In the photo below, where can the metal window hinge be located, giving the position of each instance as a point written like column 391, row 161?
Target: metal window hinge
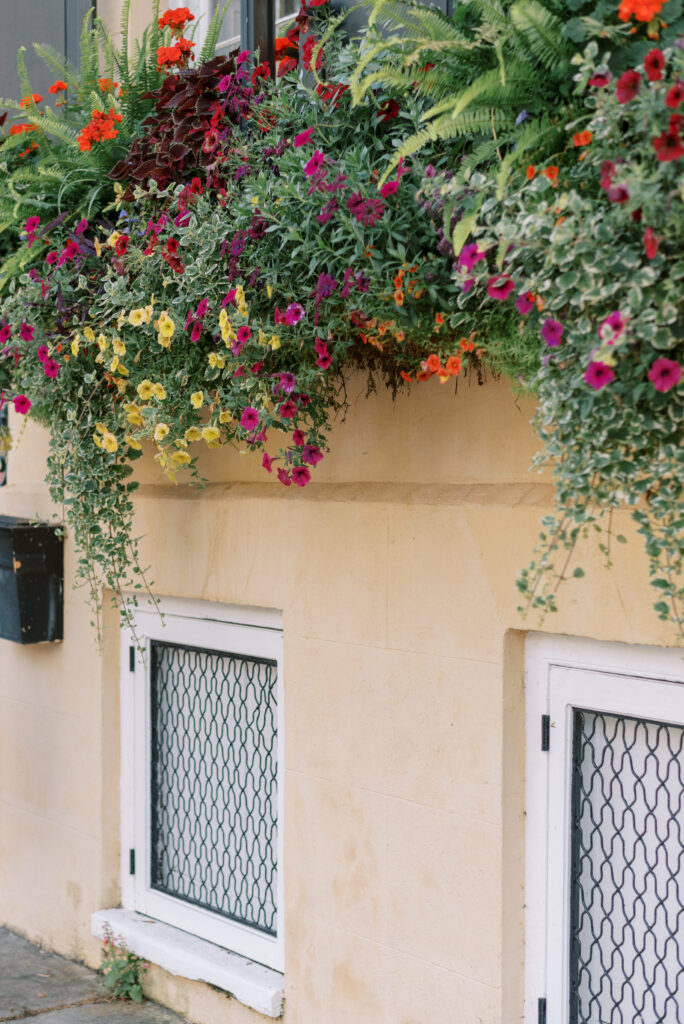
column 541, row 1011
column 131, row 659
column 131, row 862
column 545, row 731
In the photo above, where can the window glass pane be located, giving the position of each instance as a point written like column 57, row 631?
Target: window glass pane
column 229, row 36
column 213, row 782
column 285, row 11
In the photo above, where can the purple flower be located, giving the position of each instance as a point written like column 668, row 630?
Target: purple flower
column 665, row 374
column 224, row 83
column 202, row 307
column 500, row 287
column 552, row 333
column 314, row 163
column 249, row 419
column 598, row 374
column 294, row 313
column 524, row 303
column 312, row 454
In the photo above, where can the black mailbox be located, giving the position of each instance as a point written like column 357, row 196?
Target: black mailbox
column 31, row 581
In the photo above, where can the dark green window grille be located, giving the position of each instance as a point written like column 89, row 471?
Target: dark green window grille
column 627, row 871
column 213, row 775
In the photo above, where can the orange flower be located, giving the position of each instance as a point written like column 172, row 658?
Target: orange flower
column 418, row 292
column 399, row 297
column 399, row 336
column 433, row 363
column 466, row 345
column 423, row 375
column 28, row 101
column 176, row 19
column 582, row 138
column 643, row 10
column 399, row 279
column 405, row 376
column 439, row 318
column 539, row 302
column 551, row 173
column 100, row 127
column 530, row 172
column 453, row 365
column 58, row 86
column 17, row 129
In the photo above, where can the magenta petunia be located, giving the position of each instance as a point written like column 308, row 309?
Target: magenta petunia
column 389, row 188
column 301, row 476
column 81, row 227
column 524, row 303
column 665, row 374
column 51, row 368
column 284, row 477
column 21, row 404
column 470, row 255
column 654, row 62
column 287, row 410
column 312, row 454
column 299, row 438
column 552, row 332
column 287, row 382
column 5, row 333
column 267, row 462
column 294, row 313
column 601, row 80
column 612, row 327
column 324, row 360
column 43, row 353
column 320, row 345
column 249, row 419
column 244, row 333
column 26, row 332
column 327, row 211
column 618, row 193
column 314, row 163
column 304, row 138
column 598, row 374
column 196, row 332
column 500, row 287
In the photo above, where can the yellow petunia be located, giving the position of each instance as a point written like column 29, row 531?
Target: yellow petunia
column 164, row 340
column 269, row 290
column 114, row 363
column 96, row 439
column 197, row 399
column 182, row 458
column 211, row 434
column 226, row 416
column 165, row 325
column 136, row 317
column 193, row 434
column 113, row 238
column 102, row 343
column 275, row 341
column 160, row 432
column 145, row 389
column 89, row 334
column 110, row 443
column 159, row 392
column 216, row 360
column 102, row 428
column 119, row 347
column 132, row 443
column 75, row 344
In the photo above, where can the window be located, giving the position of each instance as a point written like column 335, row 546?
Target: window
column 605, row 833
column 249, row 23
column 202, row 775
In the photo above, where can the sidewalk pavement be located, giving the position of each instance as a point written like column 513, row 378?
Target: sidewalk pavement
column 35, row 983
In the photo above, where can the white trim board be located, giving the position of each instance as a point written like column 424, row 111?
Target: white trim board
column 562, row 673
column 196, row 959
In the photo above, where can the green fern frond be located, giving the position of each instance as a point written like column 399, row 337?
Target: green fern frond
column 542, row 32
column 62, row 67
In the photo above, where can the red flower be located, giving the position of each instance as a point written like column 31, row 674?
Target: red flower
column 628, row 86
column 551, row 173
column 283, row 44
column 121, row 245
column 668, row 146
column 28, row 101
column 388, row 110
column 675, row 95
column 58, row 86
column 651, row 243
column 176, row 19
column 307, row 53
column 262, row 70
column 331, row 93
column 285, row 65
column 654, row 62
column 600, row 81
column 582, row 138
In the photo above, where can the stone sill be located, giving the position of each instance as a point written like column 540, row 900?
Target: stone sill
column 196, row 959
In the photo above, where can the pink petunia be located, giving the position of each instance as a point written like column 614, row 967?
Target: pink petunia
column 312, row 454
column 267, row 462
column 284, row 477
column 287, row 382
column 81, row 227
column 324, row 360
column 51, row 368
column 43, row 353
column 598, row 374
column 304, row 138
column 250, row 418
column 244, row 333
column 389, row 188
column 288, row 410
column 552, row 332
column 301, row 476
column 26, row 332
column 601, row 80
column 470, row 255
column 612, row 327
column 628, row 86
column 500, row 287
column 21, row 404
column 665, row 374
column 314, row 163
column 524, row 303
column 294, row 313
column 299, row 438
column 651, row 243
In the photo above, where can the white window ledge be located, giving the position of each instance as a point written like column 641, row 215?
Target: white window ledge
column 183, row 954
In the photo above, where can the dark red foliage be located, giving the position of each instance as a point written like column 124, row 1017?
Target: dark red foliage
column 190, row 127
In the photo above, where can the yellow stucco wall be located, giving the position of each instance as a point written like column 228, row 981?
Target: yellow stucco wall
column 403, row 705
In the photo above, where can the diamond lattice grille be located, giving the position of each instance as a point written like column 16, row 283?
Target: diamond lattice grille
column 627, row 871
column 214, row 793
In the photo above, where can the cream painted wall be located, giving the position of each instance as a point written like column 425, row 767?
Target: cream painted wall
column 403, row 702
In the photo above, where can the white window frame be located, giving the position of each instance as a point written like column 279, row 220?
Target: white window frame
column 248, row 631
column 563, row 673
